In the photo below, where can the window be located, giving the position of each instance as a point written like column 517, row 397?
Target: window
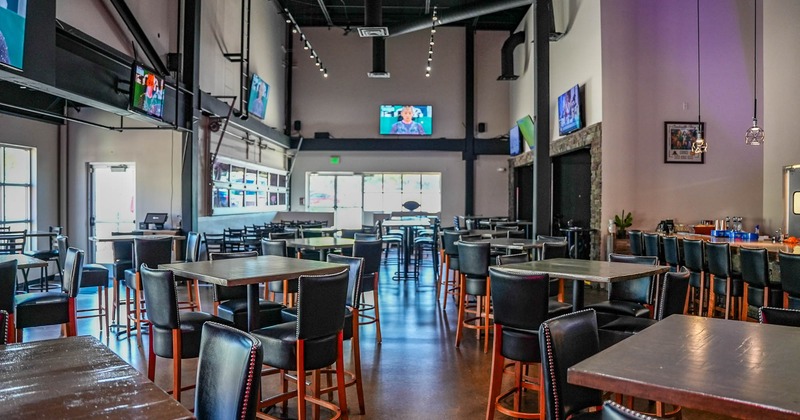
column 383, row 192
column 16, row 186
column 244, row 187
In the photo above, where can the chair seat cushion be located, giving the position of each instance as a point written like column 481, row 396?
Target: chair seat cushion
column 43, row 254
column 290, row 314
column 629, row 324
column 235, row 311
column 556, row 308
column 475, row 286
column 621, row 307
column 277, row 286
column 280, row 348
column 37, row 309
column 94, row 275
column 521, row 345
column 191, row 329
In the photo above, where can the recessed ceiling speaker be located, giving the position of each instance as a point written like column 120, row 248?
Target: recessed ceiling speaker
column 297, row 125
column 481, row 127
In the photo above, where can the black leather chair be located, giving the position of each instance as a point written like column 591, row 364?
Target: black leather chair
column 94, row 275
column 13, row 242
column 192, row 301
column 285, row 235
column 474, row 268
column 450, row 263
column 520, row 307
column 429, row 243
column 52, row 308
column 288, row 287
column 230, row 303
column 370, row 313
column 550, row 238
column 672, row 254
column 614, row 411
column 779, row 316
column 554, row 250
column 790, row 279
column 3, row 327
column 652, row 245
column 554, row 306
column 311, row 343
column 173, row 334
column 49, row 254
column 392, row 239
column 152, row 252
column 726, row 283
column 8, row 288
column 626, row 298
column 758, row 291
column 366, row 236
column 699, row 281
column 228, row 374
column 635, row 238
column 122, row 254
column 565, row 341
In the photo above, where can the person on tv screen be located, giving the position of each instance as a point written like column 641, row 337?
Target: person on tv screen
column 3, row 50
column 407, row 125
column 261, row 100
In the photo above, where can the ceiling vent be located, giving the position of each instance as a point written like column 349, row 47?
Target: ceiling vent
column 378, row 75
column 373, row 31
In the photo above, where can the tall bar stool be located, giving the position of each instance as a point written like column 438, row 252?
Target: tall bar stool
column 555, row 307
column 520, row 302
column 151, row 252
column 94, row 275
column 122, row 253
column 450, row 264
column 288, row 287
column 626, row 298
column 635, row 238
column 652, row 245
column 192, row 301
column 758, row 291
column 726, row 282
column 695, row 261
column 474, row 281
column 790, row 279
column 672, row 253
column 370, row 251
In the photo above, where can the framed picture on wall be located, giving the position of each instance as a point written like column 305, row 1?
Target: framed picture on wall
column 678, row 140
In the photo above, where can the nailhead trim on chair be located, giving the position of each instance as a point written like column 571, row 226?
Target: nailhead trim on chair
column 761, row 315
column 5, row 327
column 628, row 411
column 297, row 304
column 250, row 368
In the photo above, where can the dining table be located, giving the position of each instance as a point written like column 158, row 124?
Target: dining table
column 77, row 377
column 24, row 264
column 580, row 271
column 733, row 368
column 251, row 272
column 323, row 244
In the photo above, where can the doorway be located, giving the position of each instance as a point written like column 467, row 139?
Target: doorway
column 340, row 194
column 112, row 205
column 523, row 192
column 572, row 185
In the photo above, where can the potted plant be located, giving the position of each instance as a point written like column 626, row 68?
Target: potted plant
column 623, row 221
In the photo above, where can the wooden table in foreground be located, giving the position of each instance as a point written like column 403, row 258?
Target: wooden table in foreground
column 77, row 377
column 251, row 272
column 586, row 270
column 735, row 368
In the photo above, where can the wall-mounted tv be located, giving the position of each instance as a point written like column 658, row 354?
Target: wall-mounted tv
column 147, row 91
column 569, row 111
column 514, row 144
column 12, row 32
column 257, row 101
column 406, row 120
column 528, row 130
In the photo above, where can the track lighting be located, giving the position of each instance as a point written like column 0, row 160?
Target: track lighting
column 306, row 44
column 430, row 44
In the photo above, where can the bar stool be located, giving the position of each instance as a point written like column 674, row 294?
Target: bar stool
column 428, row 243
column 758, row 291
column 555, row 307
column 695, row 262
column 192, row 301
column 672, row 253
column 726, row 282
column 652, row 245
column 50, row 254
column 635, row 238
column 450, row 263
column 152, row 252
column 94, row 275
column 474, row 281
column 288, row 287
column 370, row 251
column 790, row 279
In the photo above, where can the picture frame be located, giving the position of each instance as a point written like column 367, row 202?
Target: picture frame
column 678, row 139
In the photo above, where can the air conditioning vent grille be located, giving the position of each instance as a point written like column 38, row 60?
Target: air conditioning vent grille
column 373, row 31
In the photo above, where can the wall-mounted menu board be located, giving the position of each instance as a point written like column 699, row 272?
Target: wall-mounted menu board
column 244, row 187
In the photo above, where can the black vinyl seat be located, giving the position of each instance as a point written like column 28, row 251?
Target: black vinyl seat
column 312, row 342
column 520, row 307
column 635, row 238
column 554, row 306
column 369, row 313
column 790, row 279
column 626, row 298
column 288, row 287
column 169, row 327
column 8, row 289
column 94, row 275
column 49, row 254
column 672, row 253
column 694, row 259
column 474, row 281
column 652, row 245
column 614, row 411
column 228, row 374
column 151, row 252
column 779, row 316
column 3, row 327
column 726, row 282
column 758, row 291
column 450, row 263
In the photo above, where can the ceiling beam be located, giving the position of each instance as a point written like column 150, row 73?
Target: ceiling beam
column 325, row 12
column 457, row 14
column 140, row 36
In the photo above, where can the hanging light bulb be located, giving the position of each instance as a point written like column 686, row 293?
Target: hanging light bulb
column 755, row 134
column 699, row 145
column 325, row 73
column 305, row 46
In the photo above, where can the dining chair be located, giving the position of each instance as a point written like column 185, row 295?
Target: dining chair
column 13, row 242
column 450, row 263
column 779, row 316
column 652, row 245
column 614, row 411
column 192, row 254
column 635, row 238
column 228, row 374
column 122, row 255
column 288, row 287
column 699, row 277
column 370, row 313
column 790, row 279
column 725, row 283
column 671, row 251
column 629, row 297
column 758, row 290
column 152, row 252
column 48, row 254
column 474, row 281
column 94, row 275
column 555, row 307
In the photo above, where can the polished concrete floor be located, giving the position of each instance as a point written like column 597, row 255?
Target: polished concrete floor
column 415, row 373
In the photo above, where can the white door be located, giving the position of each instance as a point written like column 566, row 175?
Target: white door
column 112, row 204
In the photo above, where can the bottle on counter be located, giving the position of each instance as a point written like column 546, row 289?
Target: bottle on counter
column 756, row 230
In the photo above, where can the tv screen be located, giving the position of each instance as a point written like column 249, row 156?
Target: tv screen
column 406, row 120
column 147, row 92
column 528, row 130
column 259, row 92
column 569, row 111
column 12, row 32
column 514, row 145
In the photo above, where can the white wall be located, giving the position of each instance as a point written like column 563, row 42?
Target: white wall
column 491, row 95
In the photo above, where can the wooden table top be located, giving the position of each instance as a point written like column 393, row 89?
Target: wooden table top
column 735, row 368
column 24, row 261
column 593, row 271
column 520, row 243
column 326, row 242
column 77, row 377
column 121, row 238
column 241, row 271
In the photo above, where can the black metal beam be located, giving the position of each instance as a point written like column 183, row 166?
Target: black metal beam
column 456, row 14
column 469, row 119
column 140, row 36
column 542, row 189
column 213, row 106
column 190, row 77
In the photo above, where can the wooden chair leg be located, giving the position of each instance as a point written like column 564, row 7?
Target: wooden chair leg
column 728, row 297
column 460, row 322
column 151, row 358
column 375, row 301
column 105, row 309
column 176, row 364
column 198, row 302
column 355, row 344
column 72, row 325
column 19, row 335
column 446, row 277
column 11, row 334
column 744, row 305
column 496, row 376
column 487, row 308
column 315, row 391
column 340, row 377
column 301, row 382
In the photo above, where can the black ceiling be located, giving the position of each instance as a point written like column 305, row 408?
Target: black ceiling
column 346, row 14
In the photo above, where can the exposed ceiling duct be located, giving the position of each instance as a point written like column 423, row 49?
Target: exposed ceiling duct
column 507, row 56
column 457, row 14
column 373, row 18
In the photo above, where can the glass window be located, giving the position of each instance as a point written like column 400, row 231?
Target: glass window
column 16, row 187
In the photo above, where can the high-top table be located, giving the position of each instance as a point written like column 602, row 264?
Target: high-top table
column 77, row 377
column 586, row 270
column 24, row 264
column 251, row 272
column 735, row 368
column 323, row 244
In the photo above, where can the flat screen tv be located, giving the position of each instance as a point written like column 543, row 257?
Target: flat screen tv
column 569, row 111
column 528, row 130
column 12, row 32
column 147, row 92
column 257, row 101
column 406, row 120
column 514, row 145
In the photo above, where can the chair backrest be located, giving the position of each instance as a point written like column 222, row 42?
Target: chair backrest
column 637, row 290
column 671, row 251
column 554, row 250
column 563, row 342
column 305, row 233
column 8, row 285
column 3, row 327
column 652, row 244
column 694, row 257
column 214, row 242
column 449, row 239
column 354, row 277
column 719, row 259
column 790, row 272
column 474, row 258
column 549, row 238
column 519, row 233
column 273, row 247
column 635, row 238
column 152, row 252
column 755, row 266
column 321, row 305
column 222, row 293
column 350, row 233
column 513, row 258
column 674, row 288
column 371, row 251
column 13, row 242
column 779, row 316
column 228, row 373
column 73, row 271
column 519, row 297
column 614, row 411
column 122, row 250
column 192, row 247
column 161, row 297
column 62, row 243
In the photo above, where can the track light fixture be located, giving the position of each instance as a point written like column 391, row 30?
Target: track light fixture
column 306, row 44
column 434, row 19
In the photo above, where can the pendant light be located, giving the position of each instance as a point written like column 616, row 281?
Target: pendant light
column 755, row 134
column 699, row 145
